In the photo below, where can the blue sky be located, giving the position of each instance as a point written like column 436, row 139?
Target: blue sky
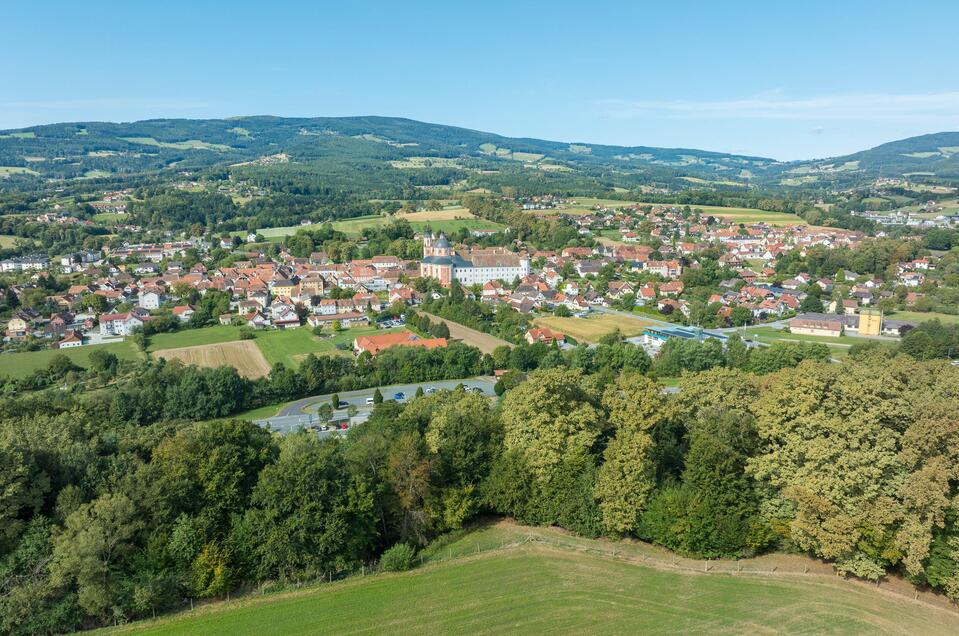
column 782, row 79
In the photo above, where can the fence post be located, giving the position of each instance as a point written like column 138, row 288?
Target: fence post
column 706, row 566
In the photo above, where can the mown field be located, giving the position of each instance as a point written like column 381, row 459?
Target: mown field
column 493, row 582
column 19, row 365
column 595, row 327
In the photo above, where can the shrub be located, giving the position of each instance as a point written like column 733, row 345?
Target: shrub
column 399, row 558
column 247, row 333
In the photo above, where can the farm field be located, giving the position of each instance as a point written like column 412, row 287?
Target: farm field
column 482, row 341
column 495, row 581
column 595, row 327
column 242, row 355
column 19, row 365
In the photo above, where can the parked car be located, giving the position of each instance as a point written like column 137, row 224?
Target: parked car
column 399, row 396
column 344, row 426
column 431, row 390
column 370, row 401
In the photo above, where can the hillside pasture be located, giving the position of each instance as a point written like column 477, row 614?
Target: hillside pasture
column 242, row 355
column 595, row 327
column 541, row 581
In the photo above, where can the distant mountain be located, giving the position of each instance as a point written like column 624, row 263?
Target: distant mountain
column 98, row 149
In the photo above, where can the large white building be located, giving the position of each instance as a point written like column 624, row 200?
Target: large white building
column 476, row 267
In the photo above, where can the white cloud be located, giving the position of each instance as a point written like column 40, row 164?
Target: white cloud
column 776, row 106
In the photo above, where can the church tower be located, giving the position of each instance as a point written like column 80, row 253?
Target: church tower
column 427, row 243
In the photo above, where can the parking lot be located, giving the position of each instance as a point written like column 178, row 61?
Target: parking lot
column 303, row 413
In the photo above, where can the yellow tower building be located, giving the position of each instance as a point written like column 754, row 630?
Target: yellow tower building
column 870, row 322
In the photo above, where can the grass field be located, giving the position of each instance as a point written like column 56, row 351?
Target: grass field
column 493, row 582
column 924, row 316
column 7, row 241
column 108, row 217
column 771, row 334
column 595, row 327
column 446, row 214
column 19, row 365
column 194, row 337
column 242, row 355
column 189, row 144
column 6, row 171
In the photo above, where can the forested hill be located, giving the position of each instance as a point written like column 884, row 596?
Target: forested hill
column 404, row 146
column 935, row 155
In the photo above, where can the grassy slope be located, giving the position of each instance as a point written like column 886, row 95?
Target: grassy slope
column 570, row 585
column 19, row 365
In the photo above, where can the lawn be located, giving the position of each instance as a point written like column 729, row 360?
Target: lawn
column 19, row 365
column 595, row 327
column 492, row 582
column 7, row 241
